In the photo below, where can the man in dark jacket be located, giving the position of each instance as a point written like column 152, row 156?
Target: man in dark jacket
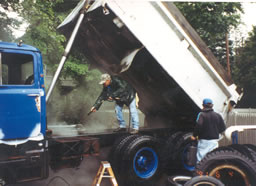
column 118, row 90
column 208, row 128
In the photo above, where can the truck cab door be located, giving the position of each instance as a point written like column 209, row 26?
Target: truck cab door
column 20, row 95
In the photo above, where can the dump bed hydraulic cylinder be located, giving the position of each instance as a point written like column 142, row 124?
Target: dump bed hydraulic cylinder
column 67, row 49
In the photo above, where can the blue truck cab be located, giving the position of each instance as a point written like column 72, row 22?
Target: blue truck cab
column 23, row 144
column 27, row 148
column 22, row 93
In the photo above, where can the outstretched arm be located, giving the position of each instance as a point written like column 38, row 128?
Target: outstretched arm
column 102, row 97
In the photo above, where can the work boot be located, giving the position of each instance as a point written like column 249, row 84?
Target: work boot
column 119, row 129
column 134, row 131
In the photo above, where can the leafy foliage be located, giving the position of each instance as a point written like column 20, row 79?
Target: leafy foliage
column 41, row 31
column 212, row 21
column 44, row 18
column 245, row 68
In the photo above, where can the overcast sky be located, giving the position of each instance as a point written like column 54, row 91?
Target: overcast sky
column 240, row 34
column 250, row 14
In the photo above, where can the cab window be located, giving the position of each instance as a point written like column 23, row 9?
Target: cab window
column 16, row 69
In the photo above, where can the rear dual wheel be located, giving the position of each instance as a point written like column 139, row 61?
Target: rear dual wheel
column 139, row 161
column 116, row 152
column 176, row 149
column 229, row 166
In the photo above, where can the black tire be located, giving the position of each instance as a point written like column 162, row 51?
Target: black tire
column 252, row 149
column 169, row 149
column 230, row 166
column 223, row 148
column 118, row 142
column 251, row 146
column 141, row 162
column 180, row 149
column 173, row 134
column 244, row 150
column 204, row 180
column 116, row 152
column 119, row 139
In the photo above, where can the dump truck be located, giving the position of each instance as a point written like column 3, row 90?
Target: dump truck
column 148, row 44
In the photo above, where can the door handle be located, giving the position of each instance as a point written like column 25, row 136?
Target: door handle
column 33, row 95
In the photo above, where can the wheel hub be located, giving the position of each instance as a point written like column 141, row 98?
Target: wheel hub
column 142, row 161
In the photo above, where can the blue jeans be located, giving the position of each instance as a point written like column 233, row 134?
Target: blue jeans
column 205, row 146
column 133, row 115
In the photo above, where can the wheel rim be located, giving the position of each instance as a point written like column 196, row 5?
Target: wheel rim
column 230, row 175
column 145, row 162
column 184, row 159
column 204, row 183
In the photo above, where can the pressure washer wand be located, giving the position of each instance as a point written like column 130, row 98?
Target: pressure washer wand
column 89, row 112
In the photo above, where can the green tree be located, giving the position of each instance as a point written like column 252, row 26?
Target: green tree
column 43, row 18
column 41, row 31
column 212, row 21
column 245, row 70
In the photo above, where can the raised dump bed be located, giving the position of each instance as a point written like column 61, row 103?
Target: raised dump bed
column 152, row 46
column 149, row 44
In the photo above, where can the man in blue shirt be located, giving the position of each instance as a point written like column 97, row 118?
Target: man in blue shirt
column 209, row 125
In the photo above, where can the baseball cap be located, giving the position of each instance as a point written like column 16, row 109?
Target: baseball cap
column 207, row 101
column 104, row 78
